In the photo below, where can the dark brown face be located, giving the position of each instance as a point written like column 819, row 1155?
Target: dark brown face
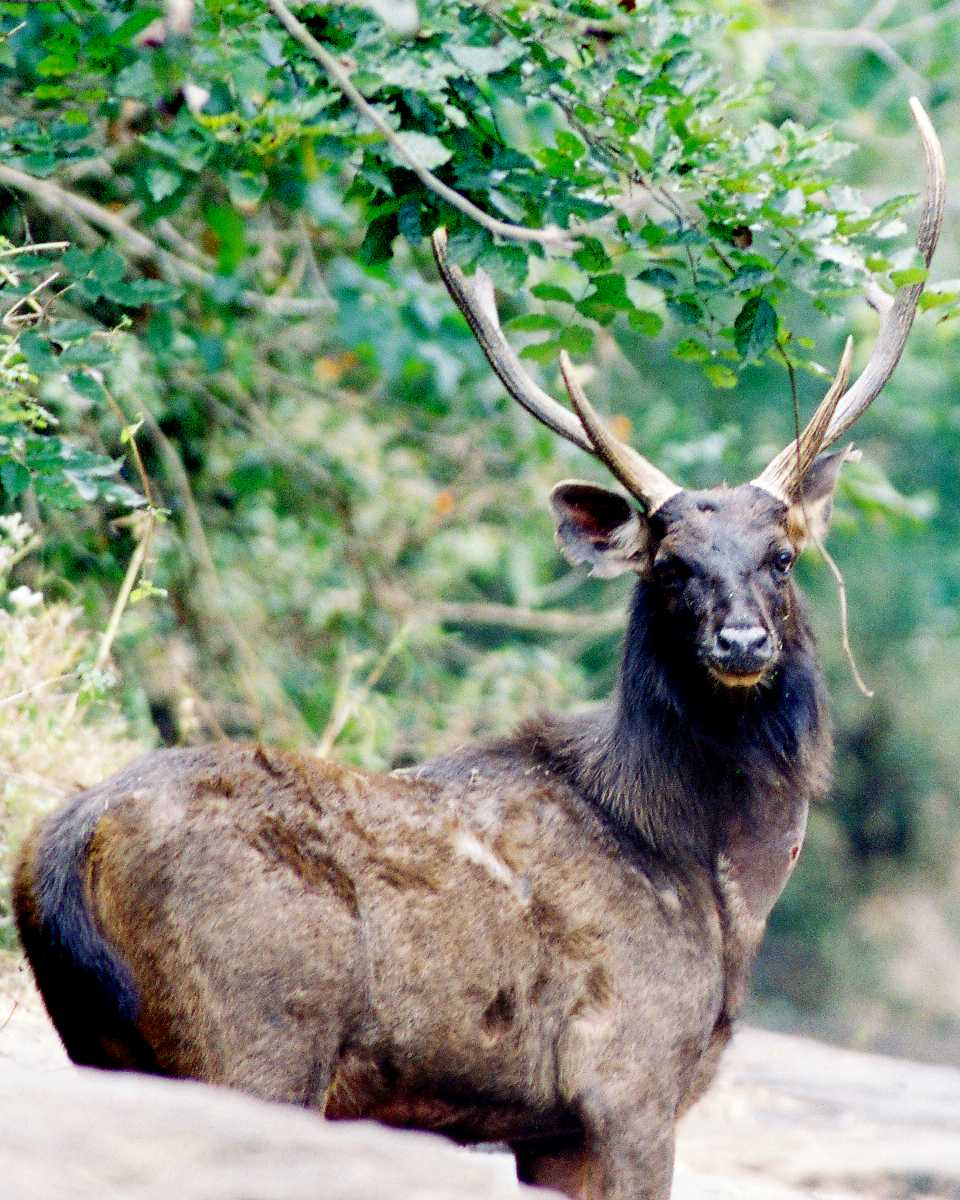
column 720, row 564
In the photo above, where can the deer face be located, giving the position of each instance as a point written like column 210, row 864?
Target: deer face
column 717, row 563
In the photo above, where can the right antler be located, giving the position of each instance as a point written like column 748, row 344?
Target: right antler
column 783, row 477
column 475, row 299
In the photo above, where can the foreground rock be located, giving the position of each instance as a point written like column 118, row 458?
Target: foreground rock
column 79, row 1135
column 787, row 1118
column 816, row 1117
column 85, row 1135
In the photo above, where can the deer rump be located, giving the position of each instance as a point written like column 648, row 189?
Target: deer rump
column 469, row 951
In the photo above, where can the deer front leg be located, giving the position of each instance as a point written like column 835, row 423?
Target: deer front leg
column 632, row 1147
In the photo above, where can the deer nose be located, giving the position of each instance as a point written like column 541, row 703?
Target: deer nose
column 747, row 644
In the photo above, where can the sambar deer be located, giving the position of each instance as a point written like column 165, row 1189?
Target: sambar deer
column 543, row 939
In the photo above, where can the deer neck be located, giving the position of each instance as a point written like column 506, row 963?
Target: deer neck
column 697, row 772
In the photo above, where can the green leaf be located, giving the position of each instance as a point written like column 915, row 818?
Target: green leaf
column 591, row 256
column 609, row 296
column 533, row 322
column 14, row 477
column 658, row 277
column 136, row 81
column 485, row 60
column 246, row 188
column 577, row 339
column 687, row 311
column 145, row 291
column 377, row 244
column 161, row 182
column 720, row 376
column 937, row 299
column 690, row 350
column 425, row 149
column 755, row 328
column 107, row 267
column 506, row 265
column 645, row 322
column 550, row 291
column 542, row 352
column 909, row 275
column 748, row 278
column 70, row 331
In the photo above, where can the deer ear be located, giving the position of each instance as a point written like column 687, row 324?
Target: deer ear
column 811, row 516
column 598, row 526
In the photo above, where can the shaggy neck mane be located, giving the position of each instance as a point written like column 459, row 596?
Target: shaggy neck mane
column 674, row 754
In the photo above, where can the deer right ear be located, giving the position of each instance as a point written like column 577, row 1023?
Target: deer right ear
column 599, row 527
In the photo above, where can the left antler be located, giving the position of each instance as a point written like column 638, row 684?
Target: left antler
column 475, row 299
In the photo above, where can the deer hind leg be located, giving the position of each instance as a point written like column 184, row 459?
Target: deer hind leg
column 565, row 1164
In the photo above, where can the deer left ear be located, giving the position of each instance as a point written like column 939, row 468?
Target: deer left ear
column 598, row 526
column 810, row 518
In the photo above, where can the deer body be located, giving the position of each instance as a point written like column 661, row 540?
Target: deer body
column 542, row 940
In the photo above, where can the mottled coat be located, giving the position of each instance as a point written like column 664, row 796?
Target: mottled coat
column 541, row 940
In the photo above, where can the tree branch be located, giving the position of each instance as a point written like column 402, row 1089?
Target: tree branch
column 54, row 198
column 858, row 38
column 530, row 620
column 551, row 236
column 928, row 21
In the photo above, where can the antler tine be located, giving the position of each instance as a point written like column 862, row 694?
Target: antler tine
column 475, row 299
column 639, row 476
column 896, row 322
column 784, row 475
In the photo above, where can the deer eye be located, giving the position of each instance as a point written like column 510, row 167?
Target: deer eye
column 782, row 562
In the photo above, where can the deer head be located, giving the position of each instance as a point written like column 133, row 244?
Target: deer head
column 717, row 562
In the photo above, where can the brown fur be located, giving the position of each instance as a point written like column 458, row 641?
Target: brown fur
column 543, row 940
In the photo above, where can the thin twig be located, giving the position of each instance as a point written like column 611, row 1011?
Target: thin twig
column 33, row 543
column 123, row 596
column 844, row 621
column 134, row 448
column 36, row 248
column 876, row 16
column 36, row 687
column 827, row 557
column 116, row 615
column 34, row 781
column 347, row 702
column 551, row 236
column 9, row 320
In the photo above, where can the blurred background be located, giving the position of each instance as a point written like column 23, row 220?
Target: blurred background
column 346, row 546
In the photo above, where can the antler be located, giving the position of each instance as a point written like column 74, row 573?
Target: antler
column 839, row 409
column 475, row 299
column 637, row 474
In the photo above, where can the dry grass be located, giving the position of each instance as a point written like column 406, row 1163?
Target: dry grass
column 45, row 752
